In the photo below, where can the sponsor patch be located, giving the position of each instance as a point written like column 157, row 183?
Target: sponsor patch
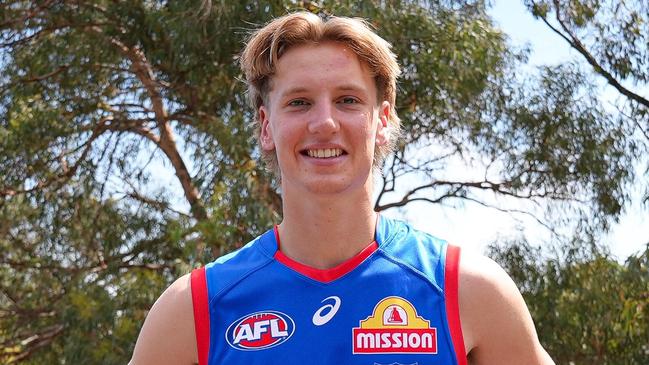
column 325, row 313
column 260, row 331
column 394, row 328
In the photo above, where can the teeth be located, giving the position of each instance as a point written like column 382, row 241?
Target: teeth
column 325, row 153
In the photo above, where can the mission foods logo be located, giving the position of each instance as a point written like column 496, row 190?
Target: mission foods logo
column 394, row 328
column 260, row 330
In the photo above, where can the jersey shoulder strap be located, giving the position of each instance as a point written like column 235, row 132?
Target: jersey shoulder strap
column 201, row 313
column 451, row 294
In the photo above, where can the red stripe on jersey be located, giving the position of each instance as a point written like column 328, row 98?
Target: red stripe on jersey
column 451, row 293
column 327, row 275
column 201, row 314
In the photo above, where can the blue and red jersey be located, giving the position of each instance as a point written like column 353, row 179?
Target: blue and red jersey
column 396, row 302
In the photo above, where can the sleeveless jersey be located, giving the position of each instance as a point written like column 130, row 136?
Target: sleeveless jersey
column 396, row 302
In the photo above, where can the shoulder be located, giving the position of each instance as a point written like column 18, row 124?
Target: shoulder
column 229, row 270
column 415, row 249
column 401, row 239
column 256, row 252
column 173, row 314
column 496, row 323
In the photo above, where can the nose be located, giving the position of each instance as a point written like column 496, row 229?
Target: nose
column 321, row 120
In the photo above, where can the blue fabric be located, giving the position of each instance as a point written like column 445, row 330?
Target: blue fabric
column 263, row 312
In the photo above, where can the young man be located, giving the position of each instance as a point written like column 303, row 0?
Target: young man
column 334, row 283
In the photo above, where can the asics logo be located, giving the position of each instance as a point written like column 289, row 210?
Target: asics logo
column 325, row 313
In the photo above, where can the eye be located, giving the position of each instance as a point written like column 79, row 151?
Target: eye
column 349, row 100
column 297, row 102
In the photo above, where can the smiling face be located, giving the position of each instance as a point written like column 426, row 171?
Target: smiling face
column 323, row 120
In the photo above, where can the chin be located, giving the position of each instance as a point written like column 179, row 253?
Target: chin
column 324, row 189
column 333, row 185
column 327, row 186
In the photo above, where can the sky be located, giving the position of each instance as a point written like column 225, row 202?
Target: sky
column 473, row 226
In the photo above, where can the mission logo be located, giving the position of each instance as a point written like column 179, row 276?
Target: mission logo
column 394, row 328
column 260, row 330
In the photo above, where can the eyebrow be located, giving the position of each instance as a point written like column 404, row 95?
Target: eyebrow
column 294, row 90
column 344, row 87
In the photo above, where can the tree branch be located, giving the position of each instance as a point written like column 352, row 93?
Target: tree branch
column 515, row 211
column 407, row 197
column 159, row 205
column 575, row 43
column 29, row 14
column 68, row 172
column 635, row 121
column 458, row 186
column 141, row 67
column 27, row 346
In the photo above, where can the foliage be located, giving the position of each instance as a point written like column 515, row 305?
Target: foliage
column 589, row 309
column 612, row 37
column 126, row 155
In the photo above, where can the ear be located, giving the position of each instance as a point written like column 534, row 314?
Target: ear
column 382, row 130
column 266, row 134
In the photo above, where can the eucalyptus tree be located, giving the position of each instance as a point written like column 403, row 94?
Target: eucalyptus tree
column 589, row 307
column 127, row 157
column 612, row 38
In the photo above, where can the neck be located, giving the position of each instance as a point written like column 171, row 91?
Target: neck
column 324, row 231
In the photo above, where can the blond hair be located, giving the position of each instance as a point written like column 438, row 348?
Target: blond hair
column 266, row 45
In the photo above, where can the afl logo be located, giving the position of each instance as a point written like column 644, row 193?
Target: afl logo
column 260, row 330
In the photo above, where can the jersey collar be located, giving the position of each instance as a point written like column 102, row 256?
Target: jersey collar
column 329, row 275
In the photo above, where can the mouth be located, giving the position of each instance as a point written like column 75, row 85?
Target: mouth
column 323, row 152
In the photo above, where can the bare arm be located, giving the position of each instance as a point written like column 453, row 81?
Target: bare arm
column 167, row 336
column 496, row 323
